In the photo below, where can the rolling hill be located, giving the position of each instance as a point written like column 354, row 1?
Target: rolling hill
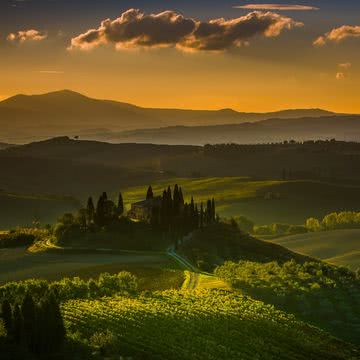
column 296, row 201
column 22, row 210
column 205, row 324
column 339, row 247
column 239, row 177
column 25, row 118
column 4, row 146
column 265, row 131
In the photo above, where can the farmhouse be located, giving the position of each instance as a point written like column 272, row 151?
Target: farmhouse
column 142, row 210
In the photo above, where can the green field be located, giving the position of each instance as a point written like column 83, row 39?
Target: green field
column 22, row 210
column 201, row 324
column 154, row 271
column 295, row 200
column 339, row 247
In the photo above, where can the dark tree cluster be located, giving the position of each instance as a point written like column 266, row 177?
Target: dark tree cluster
column 105, row 212
column 327, row 146
column 176, row 216
column 37, row 327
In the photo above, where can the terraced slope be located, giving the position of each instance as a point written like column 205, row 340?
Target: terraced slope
column 201, row 324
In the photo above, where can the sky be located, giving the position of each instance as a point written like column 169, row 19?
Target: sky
column 205, row 54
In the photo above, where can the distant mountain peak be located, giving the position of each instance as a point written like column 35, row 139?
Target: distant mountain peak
column 64, row 92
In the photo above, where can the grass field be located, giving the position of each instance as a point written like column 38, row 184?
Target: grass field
column 298, row 200
column 22, row 210
column 339, row 247
column 154, row 271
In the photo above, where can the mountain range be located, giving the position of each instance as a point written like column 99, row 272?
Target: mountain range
column 25, row 118
column 341, row 127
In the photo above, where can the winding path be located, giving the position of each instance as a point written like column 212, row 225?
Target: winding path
column 192, row 282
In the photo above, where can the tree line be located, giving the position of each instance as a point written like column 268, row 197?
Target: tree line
column 174, row 215
column 35, row 326
column 169, row 214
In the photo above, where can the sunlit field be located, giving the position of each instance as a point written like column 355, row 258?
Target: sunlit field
column 264, row 202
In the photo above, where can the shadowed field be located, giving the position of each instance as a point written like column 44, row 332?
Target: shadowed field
column 340, row 247
column 155, row 271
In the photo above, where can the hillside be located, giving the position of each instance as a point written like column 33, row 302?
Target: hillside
column 309, row 160
column 272, row 130
column 295, row 201
column 31, row 117
column 22, row 210
column 4, row 146
column 340, row 247
column 207, row 324
column 245, row 180
column 310, row 289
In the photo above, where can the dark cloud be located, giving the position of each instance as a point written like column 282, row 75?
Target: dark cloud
column 169, row 29
column 223, row 34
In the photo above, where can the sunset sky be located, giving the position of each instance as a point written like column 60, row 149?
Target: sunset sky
column 200, row 54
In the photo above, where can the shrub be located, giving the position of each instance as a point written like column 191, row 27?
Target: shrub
column 75, row 288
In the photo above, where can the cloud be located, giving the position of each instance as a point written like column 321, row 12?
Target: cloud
column 343, row 71
column 26, row 35
column 338, row 34
column 134, row 29
column 340, row 75
column 277, row 7
column 345, row 65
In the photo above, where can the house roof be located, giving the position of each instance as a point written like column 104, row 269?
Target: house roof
column 149, row 202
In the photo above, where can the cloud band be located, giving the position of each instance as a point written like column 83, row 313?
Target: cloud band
column 277, row 7
column 134, row 29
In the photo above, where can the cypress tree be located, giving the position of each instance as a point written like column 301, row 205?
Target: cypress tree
column 104, row 195
column 7, row 317
column 169, row 206
column 182, row 202
column 17, row 325
column 90, row 209
column 202, row 216
column 120, row 206
column 28, row 312
column 192, row 207
column 58, row 327
column 213, row 210
column 186, row 218
column 149, row 194
column 100, row 212
column 163, row 211
column 176, row 200
column 196, row 218
column 208, row 214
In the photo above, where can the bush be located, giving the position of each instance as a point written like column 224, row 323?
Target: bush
column 16, row 239
column 245, row 224
column 75, row 288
